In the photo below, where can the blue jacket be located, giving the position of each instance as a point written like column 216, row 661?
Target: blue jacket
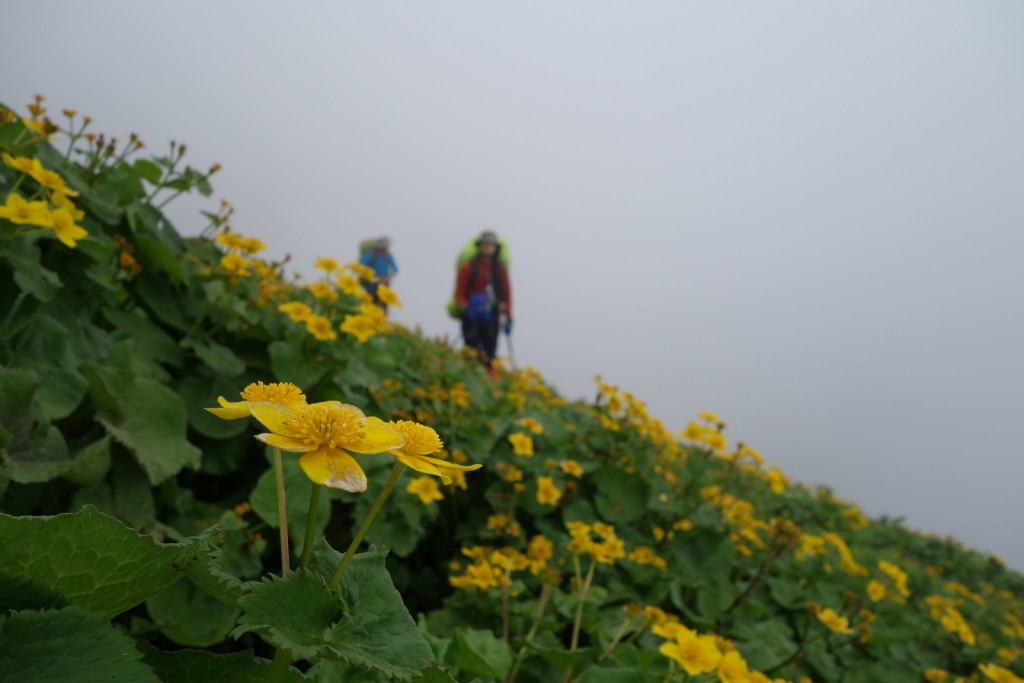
column 383, row 264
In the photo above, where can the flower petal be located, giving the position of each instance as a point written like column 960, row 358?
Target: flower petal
column 419, row 465
column 272, row 416
column 230, row 410
column 448, row 465
column 335, row 469
column 284, row 443
column 377, row 438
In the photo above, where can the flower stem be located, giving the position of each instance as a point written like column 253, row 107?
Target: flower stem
column 279, row 667
column 307, row 544
column 579, row 610
column 282, row 512
column 350, row 553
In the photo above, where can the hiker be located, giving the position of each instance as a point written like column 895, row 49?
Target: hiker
column 382, row 262
column 483, row 297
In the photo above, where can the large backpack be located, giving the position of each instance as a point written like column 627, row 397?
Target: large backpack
column 467, row 253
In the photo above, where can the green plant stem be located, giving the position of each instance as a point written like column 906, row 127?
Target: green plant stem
column 307, row 544
column 671, row 670
column 542, row 603
column 282, row 512
column 336, row 579
column 579, row 609
column 618, row 636
column 279, row 667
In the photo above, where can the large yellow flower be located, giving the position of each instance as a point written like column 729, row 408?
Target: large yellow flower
column 68, row 232
column 695, row 653
column 522, row 444
column 834, row 622
column 21, row 212
column 733, row 668
column 999, row 674
column 419, row 441
column 324, row 434
column 547, row 492
column 27, row 165
column 281, row 393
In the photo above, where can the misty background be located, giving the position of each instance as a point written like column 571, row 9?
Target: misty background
column 804, row 216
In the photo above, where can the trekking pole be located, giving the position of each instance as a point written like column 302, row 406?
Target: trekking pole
column 511, row 350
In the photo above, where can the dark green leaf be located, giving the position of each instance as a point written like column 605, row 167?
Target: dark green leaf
column 197, row 666
column 18, row 592
column 68, row 644
column 91, row 559
column 190, row 616
column 483, row 653
column 621, row 497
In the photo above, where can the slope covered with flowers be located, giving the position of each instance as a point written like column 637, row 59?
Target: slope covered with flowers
column 594, row 545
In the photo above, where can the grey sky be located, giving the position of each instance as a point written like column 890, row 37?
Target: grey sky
column 803, row 215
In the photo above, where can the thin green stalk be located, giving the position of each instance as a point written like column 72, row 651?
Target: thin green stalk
column 307, row 544
column 579, row 609
column 336, row 579
column 282, row 512
column 542, row 603
column 279, row 667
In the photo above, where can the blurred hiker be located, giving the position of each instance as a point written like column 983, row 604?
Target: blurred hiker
column 483, row 297
column 378, row 257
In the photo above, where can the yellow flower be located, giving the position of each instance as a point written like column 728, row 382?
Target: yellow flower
column 834, row 622
column 296, row 310
column 68, row 232
column 733, row 669
column 936, row 675
column 696, row 654
column 328, row 265
column 418, row 442
column 426, row 488
column 876, row 590
column 322, row 290
column 234, row 264
column 530, row 425
column 61, row 201
column 363, row 325
column 387, row 296
column 571, row 467
column 283, row 393
column 321, row 328
column 365, row 272
column 547, row 492
column 999, row 674
column 325, row 434
column 522, row 444
column 51, row 180
column 27, row 165
column 251, row 245
column 21, row 212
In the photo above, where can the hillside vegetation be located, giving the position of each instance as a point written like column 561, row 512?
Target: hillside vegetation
column 141, row 538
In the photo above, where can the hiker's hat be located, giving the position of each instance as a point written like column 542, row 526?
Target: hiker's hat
column 487, row 237
column 382, row 243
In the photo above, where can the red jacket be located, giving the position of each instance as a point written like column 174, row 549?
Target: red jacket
column 465, row 289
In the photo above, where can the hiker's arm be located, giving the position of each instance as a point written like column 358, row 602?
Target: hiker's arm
column 461, row 283
column 506, row 291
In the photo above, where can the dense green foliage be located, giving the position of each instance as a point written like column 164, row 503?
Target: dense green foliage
column 138, row 531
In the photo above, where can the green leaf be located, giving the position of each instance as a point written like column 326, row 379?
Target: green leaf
column 150, row 420
column 190, row 616
column 162, row 301
column 295, row 612
column 200, row 393
column 38, row 457
column 482, row 653
column 18, row 592
column 198, row 666
column 45, row 348
column 217, row 357
column 91, row 559
column 617, row 675
column 147, row 170
column 90, row 464
column 365, row 624
column 621, row 497
column 69, row 644
column 207, row 572
column 290, row 364
column 29, row 273
column 149, row 339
